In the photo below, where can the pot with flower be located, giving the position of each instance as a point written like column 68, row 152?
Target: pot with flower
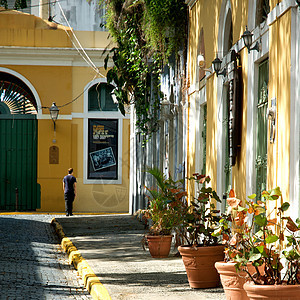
column 164, row 212
column 231, row 228
column 201, row 249
column 270, row 243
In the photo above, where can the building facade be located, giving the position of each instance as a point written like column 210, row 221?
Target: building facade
column 42, row 62
column 250, row 112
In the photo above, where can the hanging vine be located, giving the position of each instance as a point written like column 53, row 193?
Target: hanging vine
column 146, row 32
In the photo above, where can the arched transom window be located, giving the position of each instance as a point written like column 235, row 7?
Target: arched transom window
column 100, row 98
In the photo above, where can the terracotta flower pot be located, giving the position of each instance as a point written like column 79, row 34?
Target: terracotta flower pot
column 274, row 292
column 199, row 263
column 232, row 281
column 159, row 245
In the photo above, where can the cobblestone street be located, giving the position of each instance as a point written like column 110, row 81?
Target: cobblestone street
column 32, row 263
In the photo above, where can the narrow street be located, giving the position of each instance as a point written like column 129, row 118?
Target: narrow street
column 32, row 264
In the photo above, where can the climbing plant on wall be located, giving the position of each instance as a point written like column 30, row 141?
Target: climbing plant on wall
column 19, row 4
column 146, row 32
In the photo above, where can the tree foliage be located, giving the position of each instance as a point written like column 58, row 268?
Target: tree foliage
column 146, row 32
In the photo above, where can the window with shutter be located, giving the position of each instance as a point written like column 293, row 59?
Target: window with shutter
column 262, row 128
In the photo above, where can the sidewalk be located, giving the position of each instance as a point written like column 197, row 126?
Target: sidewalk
column 110, row 246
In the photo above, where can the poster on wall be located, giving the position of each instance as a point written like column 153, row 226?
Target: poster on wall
column 103, row 149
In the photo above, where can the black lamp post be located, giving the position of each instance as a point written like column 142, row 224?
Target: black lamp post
column 54, row 110
column 217, row 63
column 247, row 37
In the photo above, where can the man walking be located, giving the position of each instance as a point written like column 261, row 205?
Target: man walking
column 69, row 187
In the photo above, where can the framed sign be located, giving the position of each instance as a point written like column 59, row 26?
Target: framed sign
column 103, row 149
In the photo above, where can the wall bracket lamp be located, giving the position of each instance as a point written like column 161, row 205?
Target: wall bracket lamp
column 247, row 37
column 201, row 63
column 54, row 110
column 165, row 108
column 217, row 63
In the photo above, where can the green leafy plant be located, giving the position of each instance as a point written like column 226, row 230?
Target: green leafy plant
column 202, row 217
column 268, row 239
column 166, row 205
column 146, row 33
column 231, row 226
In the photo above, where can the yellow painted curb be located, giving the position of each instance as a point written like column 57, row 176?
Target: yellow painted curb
column 91, row 281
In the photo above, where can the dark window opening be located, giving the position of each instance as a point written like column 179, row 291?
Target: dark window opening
column 100, row 98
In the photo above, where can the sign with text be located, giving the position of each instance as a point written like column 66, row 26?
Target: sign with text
column 103, row 149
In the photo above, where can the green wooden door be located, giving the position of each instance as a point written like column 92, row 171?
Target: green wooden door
column 18, row 160
column 262, row 128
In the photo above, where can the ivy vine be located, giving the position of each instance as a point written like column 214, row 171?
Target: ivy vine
column 19, row 4
column 146, row 32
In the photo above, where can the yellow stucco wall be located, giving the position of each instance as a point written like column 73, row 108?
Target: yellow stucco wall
column 211, row 132
column 52, row 83
column 50, row 175
column 279, row 88
column 62, row 84
column 104, row 197
column 19, row 29
column 206, row 15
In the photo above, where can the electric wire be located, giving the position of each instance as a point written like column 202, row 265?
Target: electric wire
column 73, row 100
column 86, row 58
column 30, row 6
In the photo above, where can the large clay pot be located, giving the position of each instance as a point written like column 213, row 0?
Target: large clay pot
column 199, row 263
column 159, row 245
column 232, row 281
column 272, row 292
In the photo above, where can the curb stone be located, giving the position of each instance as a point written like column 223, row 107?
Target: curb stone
column 91, row 281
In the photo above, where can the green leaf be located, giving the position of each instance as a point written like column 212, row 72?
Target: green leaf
column 275, row 192
column 253, row 196
column 110, row 75
column 261, row 220
column 272, row 239
column 260, row 249
column 121, row 108
column 285, row 206
column 106, row 61
column 254, row 256
column 216, row 196
column 240, row 208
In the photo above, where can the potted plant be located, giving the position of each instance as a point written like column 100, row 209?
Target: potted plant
column 270, row 243
column 164, row 212
column 201, row 249
column 230, row 228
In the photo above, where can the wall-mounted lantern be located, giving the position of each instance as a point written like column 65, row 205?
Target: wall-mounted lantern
column 54, row 110
column 165, row 108
column 247, row 37
column 217, row 64
column 201, row 63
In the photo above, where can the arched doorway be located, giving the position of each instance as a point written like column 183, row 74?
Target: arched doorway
column 19, row 189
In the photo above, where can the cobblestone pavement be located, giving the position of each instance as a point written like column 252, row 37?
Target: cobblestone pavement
column 32, row 263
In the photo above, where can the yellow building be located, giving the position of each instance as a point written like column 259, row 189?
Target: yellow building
column 243, row 125
column 41, row 63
